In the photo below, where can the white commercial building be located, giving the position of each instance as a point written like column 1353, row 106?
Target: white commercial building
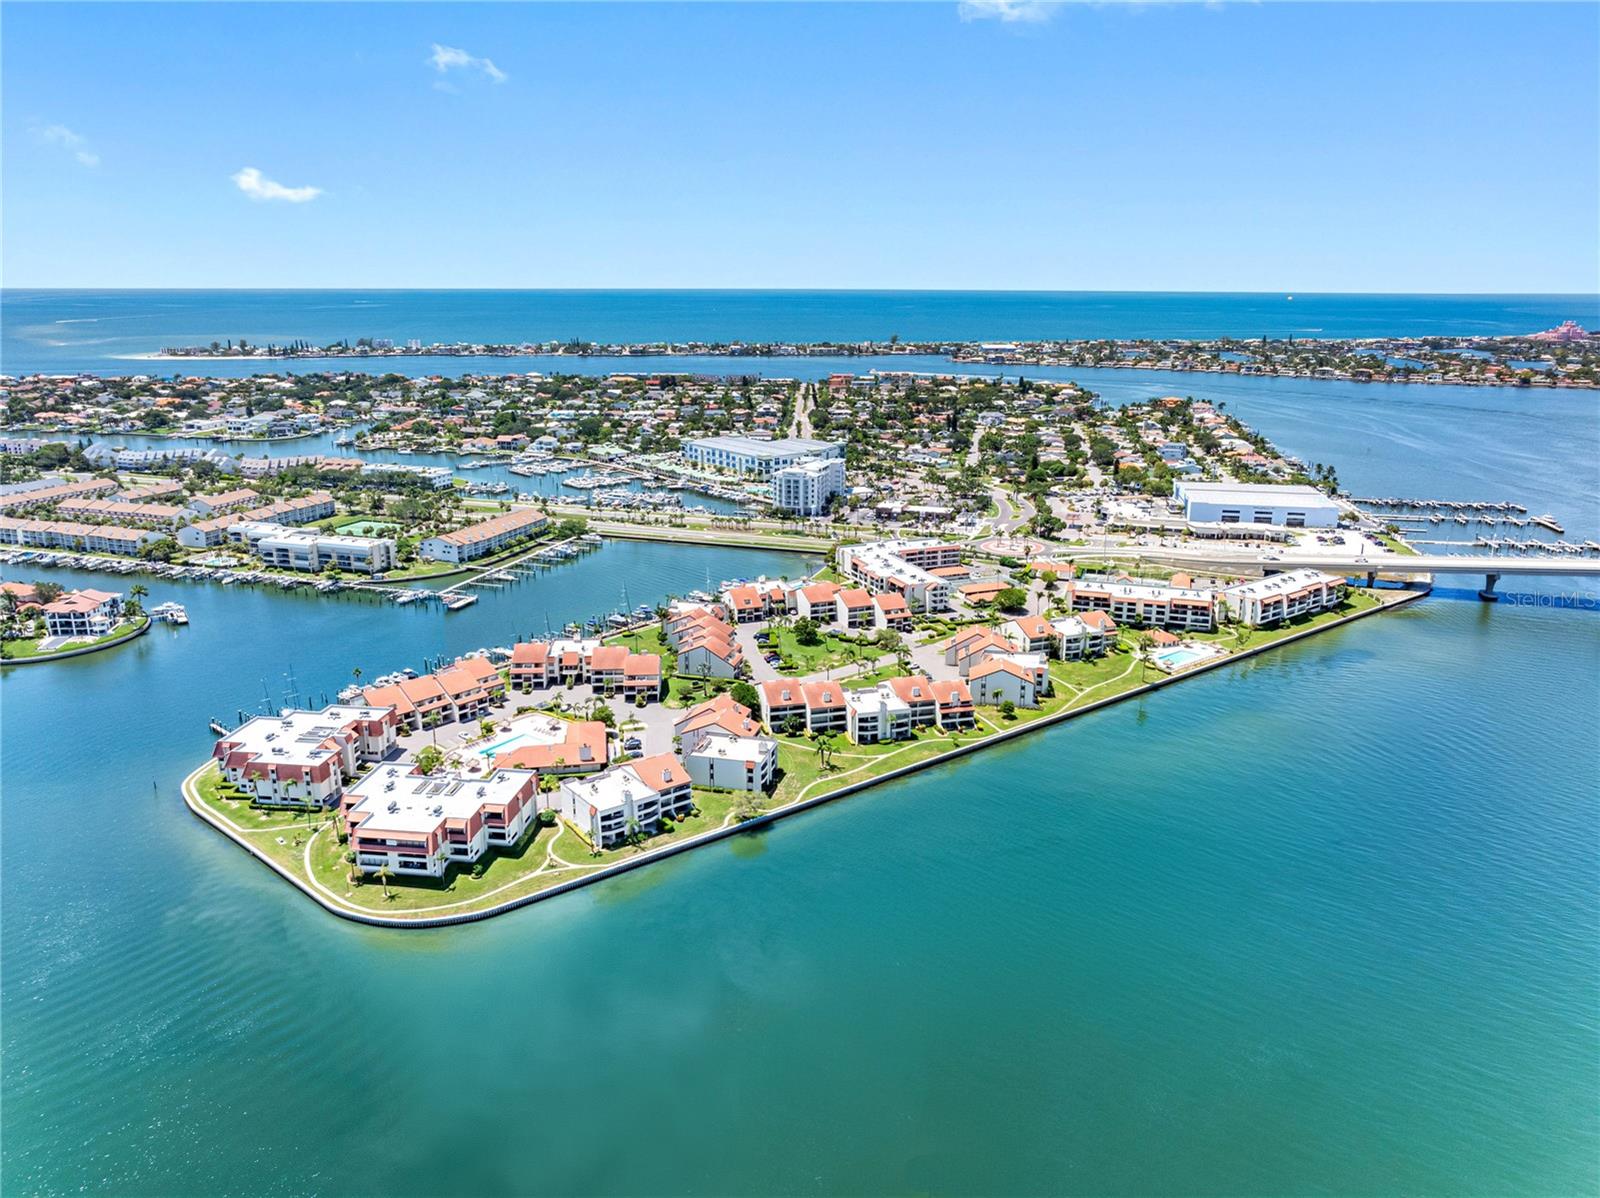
column 805, row 487
column 748, row 455
column 1286, row 505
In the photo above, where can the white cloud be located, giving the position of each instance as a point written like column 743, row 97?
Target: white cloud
column 60, row 135
column 1011, row 12
column 258, row 187
column 448, row 58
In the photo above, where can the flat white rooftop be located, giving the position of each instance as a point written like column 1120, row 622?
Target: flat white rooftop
column 394, row 799
column 1271, row 494
column 736, row 748
column 1286, row 583
column 300, row 737
column 786, row 447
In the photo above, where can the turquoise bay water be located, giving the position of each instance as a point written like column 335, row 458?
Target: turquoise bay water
column 1320, row 923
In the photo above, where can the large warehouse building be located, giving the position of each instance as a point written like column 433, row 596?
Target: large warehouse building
column 749, row 455
column 1290, row 506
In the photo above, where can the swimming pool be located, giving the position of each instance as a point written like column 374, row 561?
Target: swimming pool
column 1181, row 655
column 509, row 742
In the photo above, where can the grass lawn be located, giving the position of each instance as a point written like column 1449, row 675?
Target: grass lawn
column 507, row 873
column 1397, row 546
column 1089, row 672
column 831, row 653
column 20, row 648
column 686, row 692
column 1355, row 600
column 12, row 650
column 648, row 640
column 422, row 569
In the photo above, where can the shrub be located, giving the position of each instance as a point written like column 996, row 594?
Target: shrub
column 477, row 869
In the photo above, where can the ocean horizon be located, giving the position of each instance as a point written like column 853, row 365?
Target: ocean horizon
column 102, row 330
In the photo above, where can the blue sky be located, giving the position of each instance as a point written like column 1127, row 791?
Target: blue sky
column 1278, row 146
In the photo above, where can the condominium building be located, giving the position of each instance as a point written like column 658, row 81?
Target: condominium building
column 456, row 693
column 1283, row 596
column 875, row 715
column 705, row 643
column 627, row 799
column 806, row 487
column 1078, row 637
column 303, row 509
column 238, row 499
column 610, row 669
column 903, row 568
column 721, row 715
column 1003, row 679
column 303, row 549
column 156, row 515
column 17, row 501
column 728, row 762
column 748, row 455
column 756, row 600
column 305, row 756
column 411, row 823
column 88, row 538
column 439, row 478
column 484, row 537
column 1143, row 601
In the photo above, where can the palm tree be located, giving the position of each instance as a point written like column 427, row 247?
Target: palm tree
column 356, row 674
column 383, row 874
column 137, row 591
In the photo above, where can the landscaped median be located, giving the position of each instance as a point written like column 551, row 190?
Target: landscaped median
column 304, row 848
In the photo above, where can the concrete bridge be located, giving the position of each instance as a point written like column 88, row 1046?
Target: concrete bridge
column 1492, row 567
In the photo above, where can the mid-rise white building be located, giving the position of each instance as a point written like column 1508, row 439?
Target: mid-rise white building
column 438, row 477
column 305, row 756
column 484, row 537
column 413, row 823
column 806, row 487
column 608, row 808
column 1283, row 596
column 303, row 549
column 728, row 762
column 1144, row 602
column 904, row 568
